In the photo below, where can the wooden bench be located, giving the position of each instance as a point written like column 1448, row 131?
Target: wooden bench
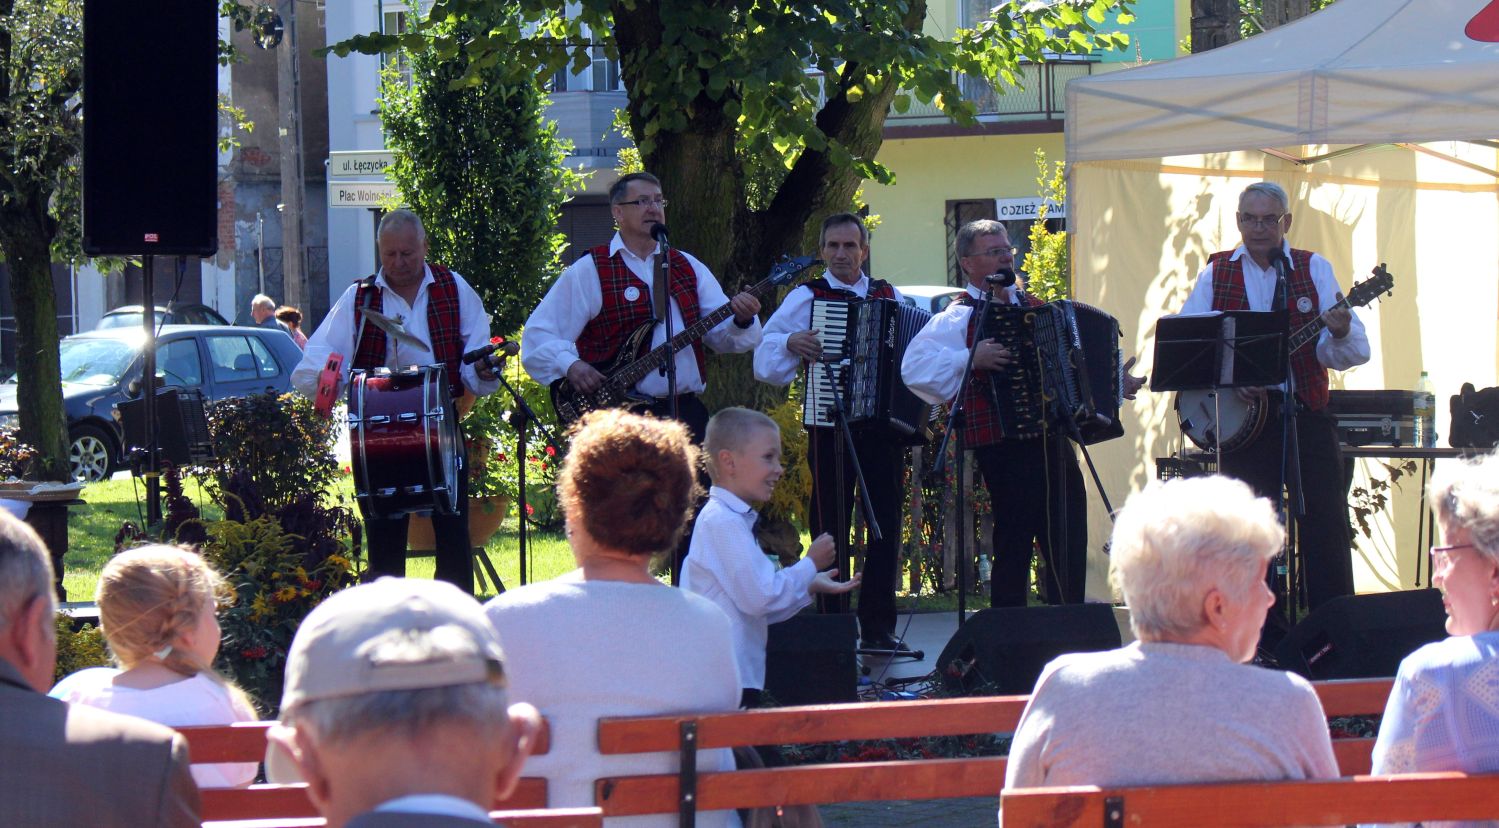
column 689, row 790
column 246, row 742
column 1360, row 799
column 544, row 818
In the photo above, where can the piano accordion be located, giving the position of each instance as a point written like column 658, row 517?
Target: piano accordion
column 868, row 339
column 1067, row 374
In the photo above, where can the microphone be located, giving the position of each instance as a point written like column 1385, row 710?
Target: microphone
column 1279, row 260
column 658, row 232
column 1004, row 278
column 508, row 349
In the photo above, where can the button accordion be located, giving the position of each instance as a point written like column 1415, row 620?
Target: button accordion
column 1067, row 371
column 863, row 343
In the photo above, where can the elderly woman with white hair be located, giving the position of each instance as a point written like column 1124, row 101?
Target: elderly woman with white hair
column 1179, row 704
column 1443, row 712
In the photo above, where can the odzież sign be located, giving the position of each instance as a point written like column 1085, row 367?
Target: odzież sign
column 1027, row 209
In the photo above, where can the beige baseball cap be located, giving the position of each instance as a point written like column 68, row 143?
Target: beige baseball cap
column 392, row 634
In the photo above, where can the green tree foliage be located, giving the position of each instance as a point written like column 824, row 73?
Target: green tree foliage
column 1048, row 264
column 41, row 133
column 477, row 160
column 753, row 149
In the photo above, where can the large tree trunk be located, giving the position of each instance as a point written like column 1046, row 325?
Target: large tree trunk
column 1280, row 12
column 1214, row 23
column 26, row 241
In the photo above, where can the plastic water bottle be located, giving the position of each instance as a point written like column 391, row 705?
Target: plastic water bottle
column 1426, row 412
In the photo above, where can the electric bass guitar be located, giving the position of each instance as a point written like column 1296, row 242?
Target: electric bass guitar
column 635, row 358
column 1233, row 423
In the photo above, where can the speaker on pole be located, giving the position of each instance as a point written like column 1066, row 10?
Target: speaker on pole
column 1001, row 651
column 150, row 128
column 1363, row 636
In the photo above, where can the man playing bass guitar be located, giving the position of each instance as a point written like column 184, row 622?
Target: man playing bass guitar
column 1245, row 279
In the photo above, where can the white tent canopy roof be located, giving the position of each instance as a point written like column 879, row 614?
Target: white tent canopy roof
column 1357, row 72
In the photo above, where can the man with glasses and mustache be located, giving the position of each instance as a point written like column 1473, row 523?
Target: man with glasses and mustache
column 1035, row 485
column 608, row 293
column 1245, row 279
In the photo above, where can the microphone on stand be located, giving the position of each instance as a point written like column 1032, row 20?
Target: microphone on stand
column 1282, row 267
column 658, row 232
column 1004, row 278
column 507, row 349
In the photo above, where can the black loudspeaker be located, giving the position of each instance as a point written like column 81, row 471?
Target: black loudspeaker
column 1363, row 636
column 809, row 659
column 182, row 435
column 1001, row 651
column 150, row 127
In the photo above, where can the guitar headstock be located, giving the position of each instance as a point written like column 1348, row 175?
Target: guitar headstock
column 1368, row 290
column 788, row 268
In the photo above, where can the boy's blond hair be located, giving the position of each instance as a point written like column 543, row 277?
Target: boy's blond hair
column 730, row 430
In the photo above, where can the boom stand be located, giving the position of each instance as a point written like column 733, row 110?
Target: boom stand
column 520, row 418
column 955, row 426
column 148, row 391
column 1292, row 503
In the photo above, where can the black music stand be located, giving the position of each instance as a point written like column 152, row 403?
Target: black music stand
column 1220, row 349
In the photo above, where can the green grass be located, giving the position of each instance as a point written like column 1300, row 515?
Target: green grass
column 92, row 529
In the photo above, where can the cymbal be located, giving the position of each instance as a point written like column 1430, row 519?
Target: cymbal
column 393, row 328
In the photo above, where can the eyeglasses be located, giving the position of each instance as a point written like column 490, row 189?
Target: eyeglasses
column 993, row 251
column 645, row 202
column 1261, row 221
column 1442, row 555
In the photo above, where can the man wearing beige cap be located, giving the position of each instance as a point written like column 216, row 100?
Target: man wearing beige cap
column 395, row 711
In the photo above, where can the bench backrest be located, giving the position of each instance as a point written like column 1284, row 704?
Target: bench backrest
column 1406, row 798
column 546, row 818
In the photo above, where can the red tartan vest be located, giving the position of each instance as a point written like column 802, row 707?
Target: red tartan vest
column 980, row 421
column 878, row 289
column 619, row 317
column 444, row 327
column 1229, row 294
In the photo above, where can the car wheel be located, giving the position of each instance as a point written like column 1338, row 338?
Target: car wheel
column 89, row 454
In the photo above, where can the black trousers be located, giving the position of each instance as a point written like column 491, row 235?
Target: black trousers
column 455, row 554
column 882, row 459
column 692, row 413
column 1037, row 493
column 1322, row 532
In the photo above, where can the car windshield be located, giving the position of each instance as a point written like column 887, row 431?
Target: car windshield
column 124, row 319
column 95, row 361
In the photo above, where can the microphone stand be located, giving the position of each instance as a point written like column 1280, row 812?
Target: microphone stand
column 845, row 448
column 1293, row 501
column 955, row 426
column 520, row 418
column 663, row 267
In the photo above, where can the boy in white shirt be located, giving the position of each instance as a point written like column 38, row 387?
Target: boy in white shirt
column 725, row 563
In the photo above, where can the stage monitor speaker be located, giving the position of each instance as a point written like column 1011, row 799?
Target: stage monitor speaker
column 150, row 128
column 1001, row 651
column 182, row 436
column 809, row 659
column 1363, row 636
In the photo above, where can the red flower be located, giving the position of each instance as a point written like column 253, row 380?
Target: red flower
column 256, row 652
column 497, row 340
column 530, row 510
column 502, row 457
column 551, row 452
column 347, row 470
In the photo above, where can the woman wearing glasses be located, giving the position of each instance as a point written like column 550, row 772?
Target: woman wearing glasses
column 1443, row 713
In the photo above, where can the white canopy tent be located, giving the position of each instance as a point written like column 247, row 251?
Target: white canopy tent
column 1375, row 115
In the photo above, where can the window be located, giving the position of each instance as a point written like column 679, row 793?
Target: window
column 264, row 362
column 232, row 357
column 177, row 363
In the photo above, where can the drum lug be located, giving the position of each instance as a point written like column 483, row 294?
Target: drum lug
column 407, row 417
column 416, row 490
column 389, row 491
column 379, row 419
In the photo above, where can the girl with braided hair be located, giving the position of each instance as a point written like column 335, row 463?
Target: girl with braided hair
column 157, row 610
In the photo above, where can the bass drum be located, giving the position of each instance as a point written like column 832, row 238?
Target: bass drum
column 403, row 442
column 1227, row 425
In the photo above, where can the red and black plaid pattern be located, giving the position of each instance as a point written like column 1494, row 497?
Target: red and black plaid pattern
column 1229, row 294
column 444, row 326
column 878, row 289
column 619, row 317
column 981, row 425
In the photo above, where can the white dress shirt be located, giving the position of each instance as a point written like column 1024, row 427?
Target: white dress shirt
column 726, row 565
column 549, row 345
column 936, row 357
column 1259, row 286
column 773, row 363
column 336, row 334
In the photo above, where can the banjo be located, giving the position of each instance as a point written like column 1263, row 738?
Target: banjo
column 1220, row 417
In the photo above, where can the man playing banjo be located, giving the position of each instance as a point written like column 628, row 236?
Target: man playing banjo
column 442, row 318
column 1245, row 279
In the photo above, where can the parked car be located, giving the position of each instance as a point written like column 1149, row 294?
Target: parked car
column 103, row 367
column 931, row 298
column 129, row 316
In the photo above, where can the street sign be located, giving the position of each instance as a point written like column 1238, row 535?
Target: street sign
column 360, row 164
column 366, row 194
